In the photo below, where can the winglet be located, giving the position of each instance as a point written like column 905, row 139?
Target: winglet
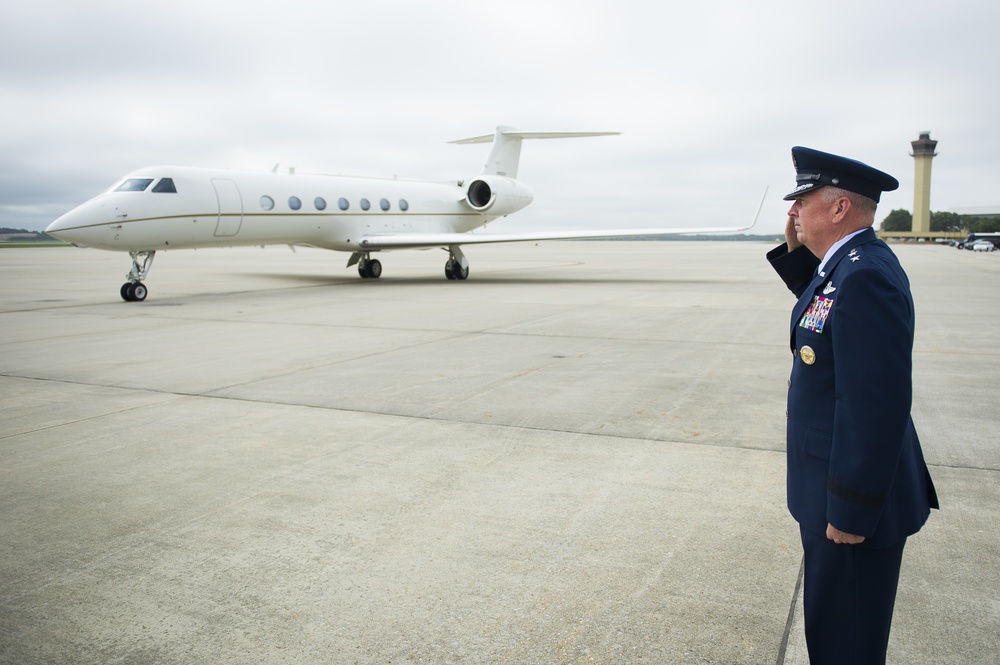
column 759, row 208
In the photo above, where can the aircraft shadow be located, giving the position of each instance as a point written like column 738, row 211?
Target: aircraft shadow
column 478, row 278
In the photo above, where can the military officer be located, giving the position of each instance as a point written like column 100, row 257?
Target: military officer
column 857, row 482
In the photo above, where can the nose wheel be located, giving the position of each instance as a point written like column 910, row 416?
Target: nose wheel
column 133, row 292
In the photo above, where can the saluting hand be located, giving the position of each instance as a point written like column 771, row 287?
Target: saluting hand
column 791, row 236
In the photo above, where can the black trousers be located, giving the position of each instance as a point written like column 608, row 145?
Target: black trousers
column 849, row 593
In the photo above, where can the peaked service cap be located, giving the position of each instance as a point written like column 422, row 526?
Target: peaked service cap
column 815, row 169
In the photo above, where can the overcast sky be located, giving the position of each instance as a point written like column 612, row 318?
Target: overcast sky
column 709, row 97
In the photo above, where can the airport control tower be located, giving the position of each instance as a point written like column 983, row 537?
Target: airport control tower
column 923, row 153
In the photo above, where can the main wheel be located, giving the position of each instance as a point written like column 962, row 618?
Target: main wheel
column 125, row 288
column 371, row 269
column 449, row 270
column 460, row 271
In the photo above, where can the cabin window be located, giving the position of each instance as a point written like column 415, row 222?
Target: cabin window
column 403, row 205
column 266, row 202
column 294, row 202
column 320, row 203
column 165, row 186
column 384, row 204
column 134, row 185
column 344, row 204
column 365, row 204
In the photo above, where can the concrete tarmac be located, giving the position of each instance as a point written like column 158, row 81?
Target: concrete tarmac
column 576, row 456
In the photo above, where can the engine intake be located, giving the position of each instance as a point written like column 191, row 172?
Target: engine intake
column 497, row 195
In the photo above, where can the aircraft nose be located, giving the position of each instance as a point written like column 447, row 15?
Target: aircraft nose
column 58, row 225
column 62, row 224
column 76, row 224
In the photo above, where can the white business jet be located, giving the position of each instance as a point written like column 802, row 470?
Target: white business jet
column 175, row 207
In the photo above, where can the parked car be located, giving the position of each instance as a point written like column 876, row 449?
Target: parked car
column 983, row 246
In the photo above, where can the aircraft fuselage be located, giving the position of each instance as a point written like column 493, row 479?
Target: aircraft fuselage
column 169, row 207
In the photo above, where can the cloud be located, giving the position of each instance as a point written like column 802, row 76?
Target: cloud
column 710, row 97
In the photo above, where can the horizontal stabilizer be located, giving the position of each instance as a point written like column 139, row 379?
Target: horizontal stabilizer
column 513, row 133
column 506, row 152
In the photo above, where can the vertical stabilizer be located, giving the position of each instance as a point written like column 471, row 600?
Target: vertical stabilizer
column 505, row 155
column 506, row 152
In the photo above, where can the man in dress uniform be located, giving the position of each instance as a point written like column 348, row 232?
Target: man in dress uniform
column 857, row 482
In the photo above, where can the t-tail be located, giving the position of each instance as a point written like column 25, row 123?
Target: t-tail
column 506, row 152
column 496, row 191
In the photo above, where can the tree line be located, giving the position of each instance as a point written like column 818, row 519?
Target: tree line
column 902, row 220
column 38, row 235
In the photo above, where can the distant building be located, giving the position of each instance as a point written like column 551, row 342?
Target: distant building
column 978, row 211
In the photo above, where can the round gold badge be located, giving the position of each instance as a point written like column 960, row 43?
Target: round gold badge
column 808, row 355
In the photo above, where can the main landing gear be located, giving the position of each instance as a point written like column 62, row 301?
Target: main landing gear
column 457, row 266
column 369, row 268
column 455, row 270
column 134, row 290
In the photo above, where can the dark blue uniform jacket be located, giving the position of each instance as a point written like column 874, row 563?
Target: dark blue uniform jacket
column 853, row 455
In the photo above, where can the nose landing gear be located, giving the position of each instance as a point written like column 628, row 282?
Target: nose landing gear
column 134, row 290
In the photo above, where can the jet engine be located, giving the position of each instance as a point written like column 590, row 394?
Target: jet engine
column 497, row 195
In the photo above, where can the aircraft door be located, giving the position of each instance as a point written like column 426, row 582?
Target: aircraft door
column 230, row 208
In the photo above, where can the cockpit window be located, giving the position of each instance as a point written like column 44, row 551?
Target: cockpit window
column 134, row 185
column 165, row 186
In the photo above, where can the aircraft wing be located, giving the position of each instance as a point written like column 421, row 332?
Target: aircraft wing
column 424, row 240
column 427, row 240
